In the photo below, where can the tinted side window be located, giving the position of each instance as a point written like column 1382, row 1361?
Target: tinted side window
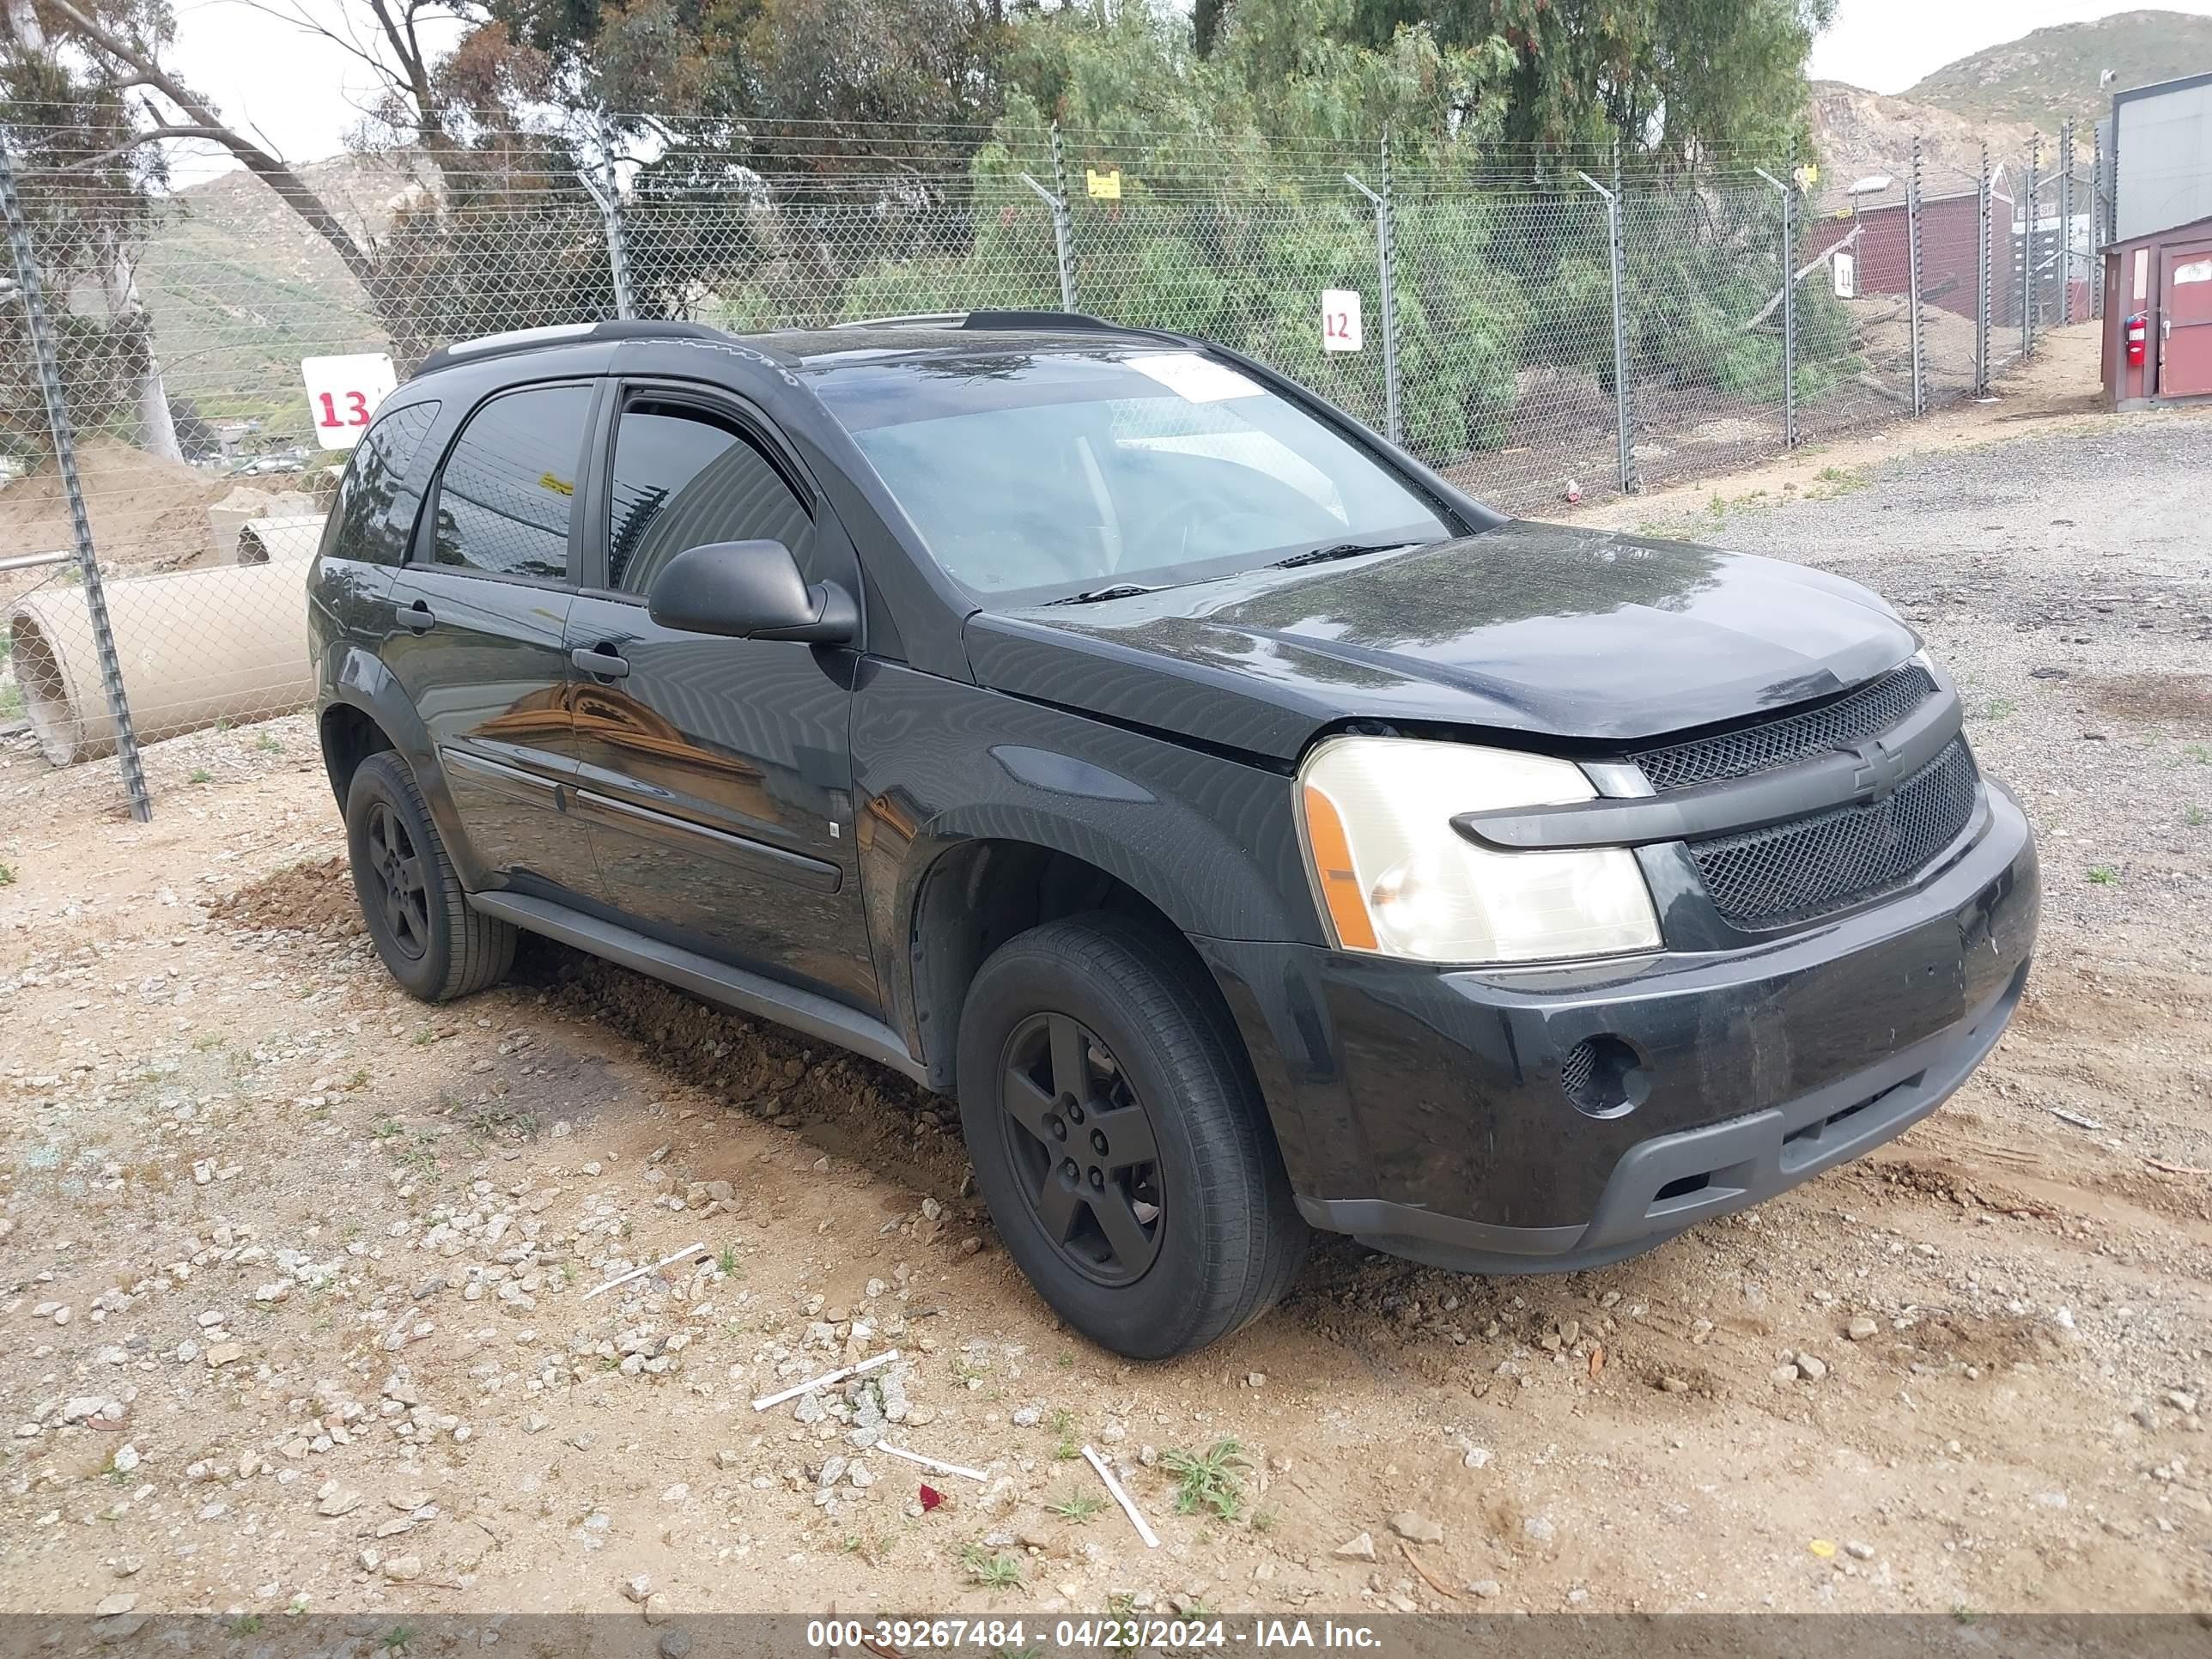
column 360, row 519
column 505, row 497
column 682, row 477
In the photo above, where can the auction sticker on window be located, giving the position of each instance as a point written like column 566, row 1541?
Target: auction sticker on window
column 1194, row 379
column 343, row 393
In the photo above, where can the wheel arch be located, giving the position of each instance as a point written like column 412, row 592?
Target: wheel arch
column 364, row 710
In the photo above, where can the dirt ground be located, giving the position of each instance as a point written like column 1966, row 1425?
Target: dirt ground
column 296, row 1269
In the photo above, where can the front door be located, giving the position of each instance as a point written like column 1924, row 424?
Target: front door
column 2185, row 321
column 715, row 774
column 477, row 615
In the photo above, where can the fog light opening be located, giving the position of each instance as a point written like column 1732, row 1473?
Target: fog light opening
column 1604, row 1077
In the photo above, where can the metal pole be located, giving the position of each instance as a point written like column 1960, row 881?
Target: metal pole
column 1064, row 232
column 1985, row 287
column 1912, row 277
column 2066, row 223
column 1060, row 244
column 2027, row 250
column 1384, row 259
column 1620, row 335
column 605, row 192
column 1788, row 307
column 57, row 422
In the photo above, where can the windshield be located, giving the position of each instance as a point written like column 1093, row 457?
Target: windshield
column 1036, row 476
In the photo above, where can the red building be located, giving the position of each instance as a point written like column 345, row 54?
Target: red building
column 1949, row 245
column 2163, row 280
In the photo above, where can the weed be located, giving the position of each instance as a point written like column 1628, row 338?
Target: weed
column 268, row 745
column 1213, row 1480
column 1996, row 708
column 989, row 1571
column 496, row 1120
column 2103, row 875
column 965, row 1371
column 2195, row 817
column 1079, row 1505
column 360, row 1078
column 247, row 1624
column 726, row 1263
column 201, row 775
column 386, row 1127
column 397, row 1637
column 1263, row 1520
column 425, row 1037
column 2201, row 753
column 7, row 875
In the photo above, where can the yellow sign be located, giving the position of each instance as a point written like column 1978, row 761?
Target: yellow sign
column 1106, row 186
column 558, row 486
column 1807, row 175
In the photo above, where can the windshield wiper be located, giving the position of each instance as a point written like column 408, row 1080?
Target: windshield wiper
column 1337, row 551
column 1119, row 590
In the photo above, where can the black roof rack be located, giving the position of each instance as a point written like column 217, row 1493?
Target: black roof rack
column 531, row 339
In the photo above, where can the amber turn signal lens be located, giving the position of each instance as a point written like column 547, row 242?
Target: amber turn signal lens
column 1339, row 882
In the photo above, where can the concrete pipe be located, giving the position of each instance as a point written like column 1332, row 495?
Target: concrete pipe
column 292, row 536
column 229, row 642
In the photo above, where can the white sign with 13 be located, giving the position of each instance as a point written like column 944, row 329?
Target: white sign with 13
column 343, row 393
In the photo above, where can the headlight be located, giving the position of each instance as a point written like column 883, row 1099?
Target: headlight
column 1396, row 879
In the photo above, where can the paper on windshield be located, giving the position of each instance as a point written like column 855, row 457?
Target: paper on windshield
column 1194, row 379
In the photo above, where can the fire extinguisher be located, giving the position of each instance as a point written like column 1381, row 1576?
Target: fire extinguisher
column 2138, row 327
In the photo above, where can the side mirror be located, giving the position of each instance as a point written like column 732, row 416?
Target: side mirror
column 750, row 591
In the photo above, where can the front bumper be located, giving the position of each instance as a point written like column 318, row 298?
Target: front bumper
column 1424, row 1110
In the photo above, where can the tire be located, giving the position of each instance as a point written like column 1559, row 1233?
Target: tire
column 417, row 916
column 1148, row 1256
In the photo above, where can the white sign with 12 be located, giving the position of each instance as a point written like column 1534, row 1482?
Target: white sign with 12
column 1340, row 319
column 343, row 393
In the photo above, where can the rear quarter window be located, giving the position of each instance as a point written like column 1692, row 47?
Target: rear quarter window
column 361, row 519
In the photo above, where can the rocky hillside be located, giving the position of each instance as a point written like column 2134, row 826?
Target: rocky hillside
column 1861, row 133
column 2056, row 74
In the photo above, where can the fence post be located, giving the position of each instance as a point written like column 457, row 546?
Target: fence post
column 1063, row 223
column 2028, row 248
column 1620, row 335
column 605, row 193
column 1385, row 263
column 2066, row 223
column 1061, row 252
column 1789, row 305
column 1985, row 287
column 58, row 423
column 1916, row 320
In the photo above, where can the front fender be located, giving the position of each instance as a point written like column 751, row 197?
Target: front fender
column 1210, row 841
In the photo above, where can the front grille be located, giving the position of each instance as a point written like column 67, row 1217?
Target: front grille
column 1874, row 707
column 1791, row 872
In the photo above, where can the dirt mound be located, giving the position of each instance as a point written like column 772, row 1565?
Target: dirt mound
column 144, row 510
column 315, row 896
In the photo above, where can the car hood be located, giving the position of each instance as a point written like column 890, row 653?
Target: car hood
column 1531, row 628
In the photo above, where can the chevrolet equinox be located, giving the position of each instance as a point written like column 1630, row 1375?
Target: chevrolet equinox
column 1251, row 831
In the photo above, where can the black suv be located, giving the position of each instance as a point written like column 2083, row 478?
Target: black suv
column 1252, row 831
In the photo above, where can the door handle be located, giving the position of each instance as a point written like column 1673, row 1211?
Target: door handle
column 601, row 661
column 419, row 616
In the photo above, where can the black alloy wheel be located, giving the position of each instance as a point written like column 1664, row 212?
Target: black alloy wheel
column 1084, row 1145
column 394, row 880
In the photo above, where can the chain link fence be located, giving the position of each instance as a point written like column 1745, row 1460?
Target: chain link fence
column 1539, row 332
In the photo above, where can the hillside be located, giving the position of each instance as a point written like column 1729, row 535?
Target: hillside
column 240, row 290
column 2052, row 75
column 1862, row 133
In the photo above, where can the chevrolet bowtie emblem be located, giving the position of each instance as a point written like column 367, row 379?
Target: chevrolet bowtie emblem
column 1881, row 768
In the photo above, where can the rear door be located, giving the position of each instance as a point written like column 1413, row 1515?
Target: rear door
column 2185, row 312
column 715, row 774
column 477, row 614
